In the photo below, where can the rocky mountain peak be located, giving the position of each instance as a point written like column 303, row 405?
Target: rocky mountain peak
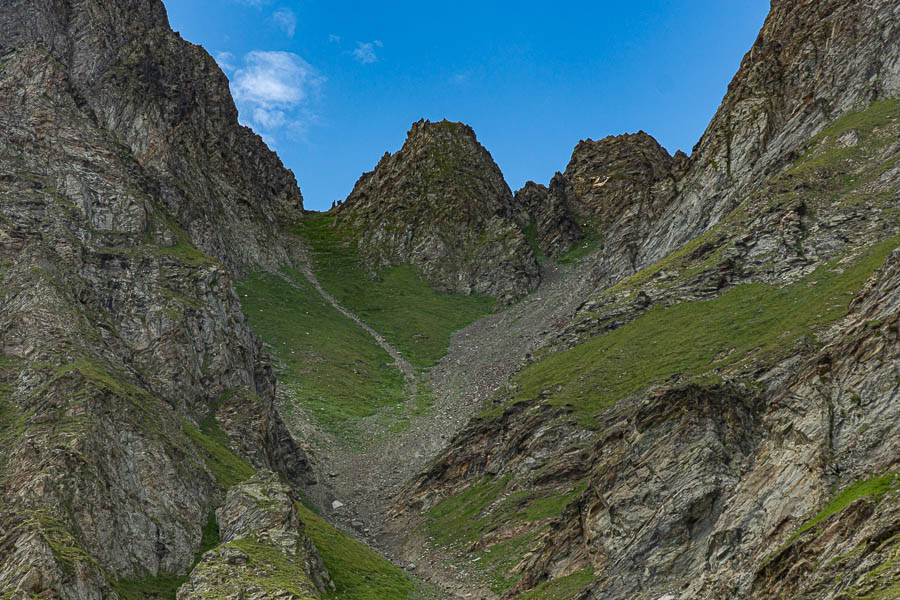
column 441, row 204
column 169, row 104
column 611, row 175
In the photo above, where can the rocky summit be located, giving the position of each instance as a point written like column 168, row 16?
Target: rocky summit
column 656, row 377
column 442, row 205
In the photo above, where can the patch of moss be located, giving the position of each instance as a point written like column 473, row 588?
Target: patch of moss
column 62, row 542
column 162, row 587
column 184, row 250
column 358, row 573
column 877, row 115
column 593, row 238
column 499, row 560
column 228, row 468
column 485, row 507
column 458, row 518
column 534, row 505
column 892, row 592
column 271, row 570
column 874, row 488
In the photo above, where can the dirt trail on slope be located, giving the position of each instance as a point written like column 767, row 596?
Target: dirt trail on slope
column 481, row 358
column 409, row 373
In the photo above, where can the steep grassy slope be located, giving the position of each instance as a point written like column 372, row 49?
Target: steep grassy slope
column 413, row 317
column 749, row 326
column 357, row 571
column 336, row 372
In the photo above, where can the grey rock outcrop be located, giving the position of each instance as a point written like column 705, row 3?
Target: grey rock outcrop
column 619, row 174
column 621, row 186
column 442, row 205
column 264, row 553
column 126, row 364
column 555, row 228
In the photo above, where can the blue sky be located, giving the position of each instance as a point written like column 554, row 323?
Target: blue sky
column 332, row 86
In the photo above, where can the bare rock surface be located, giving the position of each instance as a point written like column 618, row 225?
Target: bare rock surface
column 442, row 205
column 126, row 365
column 555, row 228
column 264, row 553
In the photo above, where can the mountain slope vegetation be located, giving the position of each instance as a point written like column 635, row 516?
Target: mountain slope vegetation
column 658, row 377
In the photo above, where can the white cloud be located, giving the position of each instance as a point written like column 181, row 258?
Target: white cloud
column 460, row 78
column 365, row 52
column 225, row 61
column 269, row 119
column 274, row 91
column 274, row 78
column 334, row 38
column 286, row 20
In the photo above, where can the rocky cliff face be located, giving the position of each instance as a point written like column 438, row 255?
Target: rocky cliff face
column 555, row 228
column 812, row 62
column 720, row 423
column 169, row 104
column 263, row 552
column 442, row 205
column 125, row 360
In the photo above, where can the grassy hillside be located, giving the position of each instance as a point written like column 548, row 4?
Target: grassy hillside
column 357, row 572
column 413, row 317
column 750, row 323
column 335, row 370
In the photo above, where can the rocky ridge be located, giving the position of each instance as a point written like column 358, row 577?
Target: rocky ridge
column 130, row 382
column 263, row 552
column 441, row 204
